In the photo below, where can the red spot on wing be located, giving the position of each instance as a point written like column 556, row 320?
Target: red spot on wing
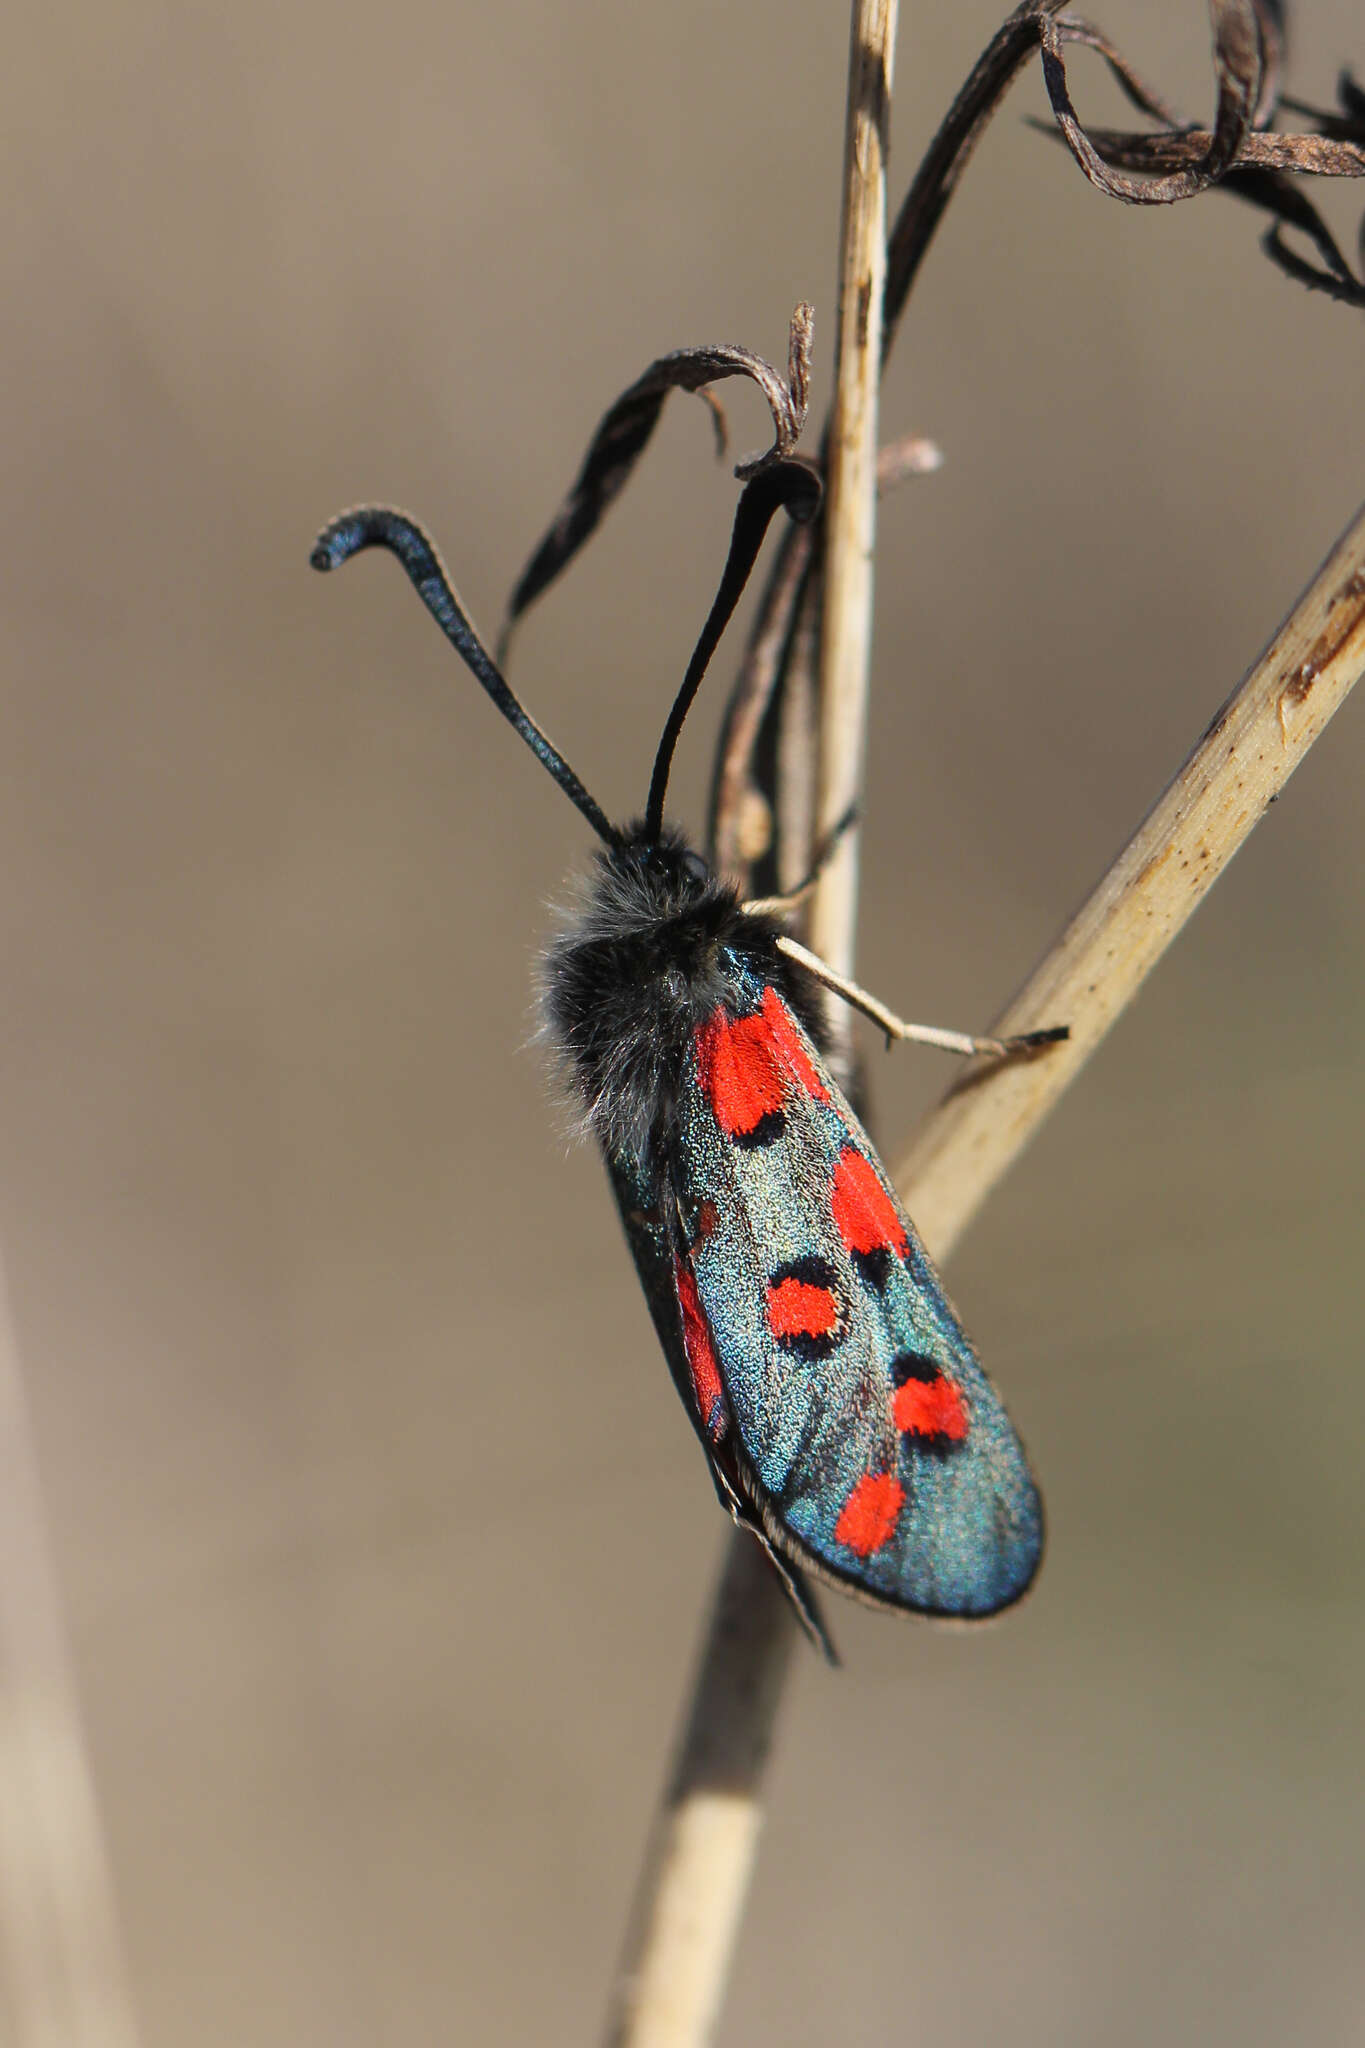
column 869, row 1514
column 864, row 1214
column 745, row 1065
column 799, row 1308
column 701, row 1354
column 738, row 1072
column 930, row 1408
column 788, row 1042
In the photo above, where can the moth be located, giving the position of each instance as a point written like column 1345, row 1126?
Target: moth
column 844, row 1417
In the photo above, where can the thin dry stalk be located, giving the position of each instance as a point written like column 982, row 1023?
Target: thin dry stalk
column 1229, row 780
column 851, row 483
column 690, row 1899
column 696, row 1879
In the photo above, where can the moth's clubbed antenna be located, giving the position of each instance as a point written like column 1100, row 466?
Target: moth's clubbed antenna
column 793, row 484
column 379, row 526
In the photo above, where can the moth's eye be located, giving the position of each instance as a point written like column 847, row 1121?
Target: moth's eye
column 696, row 866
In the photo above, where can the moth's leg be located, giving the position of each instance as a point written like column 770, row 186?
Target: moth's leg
column 921, row 1034
column 778, row 906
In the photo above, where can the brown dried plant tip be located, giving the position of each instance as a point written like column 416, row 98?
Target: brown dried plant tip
column 1244, row 152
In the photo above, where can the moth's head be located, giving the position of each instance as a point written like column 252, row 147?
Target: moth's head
column 651, row 898
column 662, row 865
column 638, row 964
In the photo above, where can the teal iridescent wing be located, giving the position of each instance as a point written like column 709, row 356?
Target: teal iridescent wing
column 649, row 1219
column 820, row 1344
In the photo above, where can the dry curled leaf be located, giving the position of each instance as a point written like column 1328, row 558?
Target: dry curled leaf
column 1331, row 273
column 624, row 431
column 1239, row 55
column 1177, row 161
column 1242, row 153
column 1317, row 155
column 1347, row 124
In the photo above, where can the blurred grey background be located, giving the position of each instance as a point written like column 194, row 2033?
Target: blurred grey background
column 380, row 1543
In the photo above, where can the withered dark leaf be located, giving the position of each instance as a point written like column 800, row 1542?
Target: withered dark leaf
column 1240, row 153
column 1262, row 150
column 1135, row 89
column 1294, row 212
column 943, row 163
column 1239, row 56
column 624, row 431
column 1270, row 24
column 1248, row 48
column 1333, row 276
column 1348, row 124
column 1180, row 159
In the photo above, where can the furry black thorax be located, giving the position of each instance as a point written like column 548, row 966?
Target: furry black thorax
column 654, row 948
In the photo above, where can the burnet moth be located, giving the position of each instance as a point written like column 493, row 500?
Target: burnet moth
column 844, row 1416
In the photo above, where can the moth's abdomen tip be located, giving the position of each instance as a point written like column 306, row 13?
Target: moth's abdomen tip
column 321, row 557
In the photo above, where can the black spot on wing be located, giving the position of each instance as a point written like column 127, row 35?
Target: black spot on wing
column 766, row 1131
column 874, row 1266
